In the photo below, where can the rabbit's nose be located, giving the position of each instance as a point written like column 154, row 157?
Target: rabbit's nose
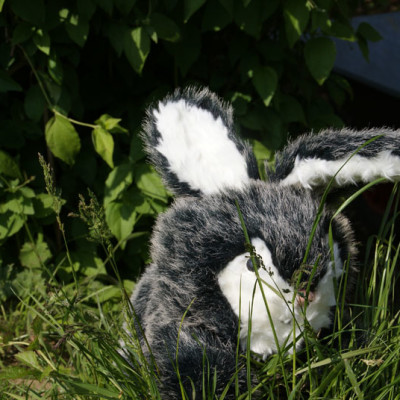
column 302, row 296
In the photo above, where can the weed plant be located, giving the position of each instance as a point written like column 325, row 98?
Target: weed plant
column 62, row 341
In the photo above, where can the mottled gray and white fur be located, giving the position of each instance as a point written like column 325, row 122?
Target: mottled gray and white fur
column 200, row 262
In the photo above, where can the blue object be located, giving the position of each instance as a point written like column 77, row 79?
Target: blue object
column 383, row 70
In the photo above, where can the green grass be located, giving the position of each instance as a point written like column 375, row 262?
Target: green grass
column 61, row 342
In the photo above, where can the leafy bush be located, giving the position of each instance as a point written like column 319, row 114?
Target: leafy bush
column 64, row 64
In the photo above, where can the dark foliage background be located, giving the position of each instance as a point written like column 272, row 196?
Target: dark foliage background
column 76, row 77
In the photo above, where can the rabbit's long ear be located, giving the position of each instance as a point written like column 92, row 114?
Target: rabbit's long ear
column 350, row 157
column 190, row 139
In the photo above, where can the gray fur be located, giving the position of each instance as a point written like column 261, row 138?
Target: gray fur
column 334, row 145
column 199, row 235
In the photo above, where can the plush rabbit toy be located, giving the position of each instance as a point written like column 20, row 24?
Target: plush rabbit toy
column 202, row 292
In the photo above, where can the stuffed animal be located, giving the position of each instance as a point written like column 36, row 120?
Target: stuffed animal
column 207, row 287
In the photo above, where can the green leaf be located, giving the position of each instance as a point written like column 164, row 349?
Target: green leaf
column 215, row 17
column 22, row 32
column 119, row 179
column 228, row 5
column 46, row 372
column 27, row 282
column 85, row 261
column 187, row 50
column 275, row 136
column 265, row 80
column 19, row 202
column 339, row 90
column 86, row 8
column 250, row 17
column 136, row 152
column 149, row 182
column 17, row 373
column 34, row 103
column 43, row 205
column 165, row 27
column 103, row 143
column 129, row 285
column 124, row 6
column 368, row 32
column 62, row 139
column 121, row 218
column 190, row 7
column 27, row 192
column 63, row 104
column 8, row 166
column 1, row 5
column 107, row 293
column 240, row 102
column 42, row 41
column 320, row 114
column 7, row 84
column 137, row 48
column 94, row 266
column 63, row 13
column 53, row 89
column 248, row 64
column 291, row 110
column 55, row 69
column 253, row 120
column 363, row 45
column 35, row 255
column 296, row 15
column 262, row 154
column 116, row 34
column 142, row 204
column 77, row 28
column 10, row 223
column 111, row 124
column 106, row 5
column 31, row 11
column 267, row 121
column 320, row 20
column 152, row 33
column 320, row 54
column 342, row 31
column 29, row 358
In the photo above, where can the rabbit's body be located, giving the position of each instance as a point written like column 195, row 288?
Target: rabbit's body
column 200, row 283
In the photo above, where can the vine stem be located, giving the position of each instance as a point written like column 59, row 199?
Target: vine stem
column 47, row 98
column 49, row 104
column 74, row 121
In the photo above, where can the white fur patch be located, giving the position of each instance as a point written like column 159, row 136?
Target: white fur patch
column 239, row 285
column 311, row 172
column 198, row 149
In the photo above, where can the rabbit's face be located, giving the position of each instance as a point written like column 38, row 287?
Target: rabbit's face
column 277, row 311
column 203, row 240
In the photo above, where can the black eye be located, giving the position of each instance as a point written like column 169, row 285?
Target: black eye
column 250, row 265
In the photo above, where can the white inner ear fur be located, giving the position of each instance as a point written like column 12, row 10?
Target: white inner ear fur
column 198, row 149
column 311, row 172
column 240, row 286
